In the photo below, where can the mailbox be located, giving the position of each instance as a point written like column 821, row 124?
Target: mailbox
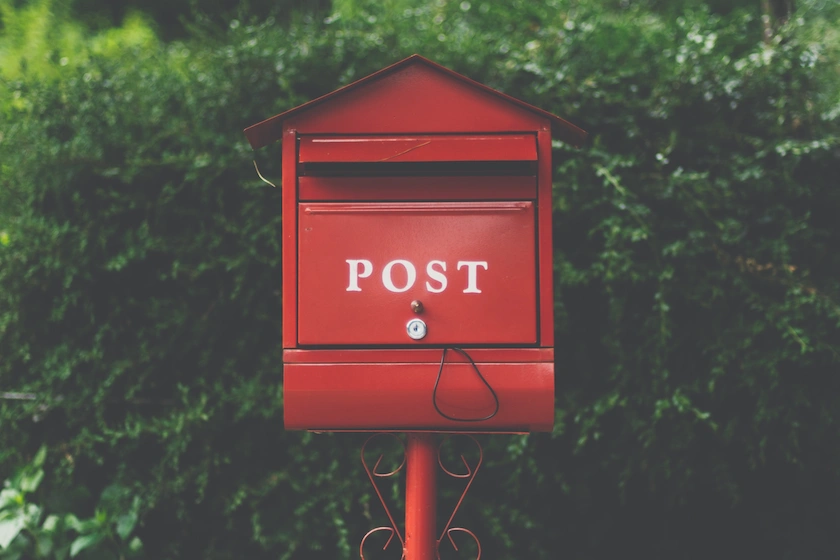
column 417, row 257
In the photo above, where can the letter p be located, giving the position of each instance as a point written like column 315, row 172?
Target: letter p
column 355, row 273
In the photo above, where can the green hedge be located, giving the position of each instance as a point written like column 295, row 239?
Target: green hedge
column 698, row 288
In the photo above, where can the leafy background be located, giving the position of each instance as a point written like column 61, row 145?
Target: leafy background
column 697, row 309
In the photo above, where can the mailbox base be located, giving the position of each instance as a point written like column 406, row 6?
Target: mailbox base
column 378, row 395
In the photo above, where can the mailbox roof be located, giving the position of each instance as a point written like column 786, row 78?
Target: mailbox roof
column 428, row 103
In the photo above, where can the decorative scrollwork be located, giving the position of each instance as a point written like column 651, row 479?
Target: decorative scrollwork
column 469, row 474
column 455, row 546
column 373, row 474
column 390, row 538
column 471, row 467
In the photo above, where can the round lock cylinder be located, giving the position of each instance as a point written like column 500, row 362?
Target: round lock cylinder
column 416, row 329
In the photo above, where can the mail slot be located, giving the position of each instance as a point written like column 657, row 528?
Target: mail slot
column 417, row 267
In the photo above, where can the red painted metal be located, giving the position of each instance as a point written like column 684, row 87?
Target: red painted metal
column 375, row 472
column 290, row 233
column 398, row 396
column 417, row 194
column 466, row 262
column 469, row 474
column 415, row 355
column 414, row 95
column 390, row 189
column 505, row 147
column 544, row 245
column 420, row 497
column 389, row 184
column 418, row 99
column 418, row 459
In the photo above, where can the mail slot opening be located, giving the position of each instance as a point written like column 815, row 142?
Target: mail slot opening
column 424, row 167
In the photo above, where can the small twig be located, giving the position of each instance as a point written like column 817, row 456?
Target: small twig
column 18, row 396
column 832, row 350
column 261, row 177
column 138, row 400
column 802, row 344
column 604, row 172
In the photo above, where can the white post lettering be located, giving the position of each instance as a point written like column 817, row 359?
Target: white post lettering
column 388, row 282
column 436, row 275
column 367, row 269
column 472, row 274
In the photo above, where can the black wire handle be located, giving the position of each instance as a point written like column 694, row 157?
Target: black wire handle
column 486, row 384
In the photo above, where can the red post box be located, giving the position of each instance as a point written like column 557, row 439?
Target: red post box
column 417, row 258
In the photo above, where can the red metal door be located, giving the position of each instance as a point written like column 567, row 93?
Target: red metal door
column 388, row 396
column 472, row 266
column 498, row 147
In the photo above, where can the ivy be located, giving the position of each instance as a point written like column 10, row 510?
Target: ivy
column 697, row 301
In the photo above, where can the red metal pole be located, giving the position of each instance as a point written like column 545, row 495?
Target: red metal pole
column 420, row 497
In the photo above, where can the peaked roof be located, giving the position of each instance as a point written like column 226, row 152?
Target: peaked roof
column 270, row 130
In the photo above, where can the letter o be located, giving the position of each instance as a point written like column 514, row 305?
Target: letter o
column 388, row 282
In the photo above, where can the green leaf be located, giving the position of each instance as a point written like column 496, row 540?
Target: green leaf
column 44, row 544
column 85, row 541
column 10, row 497
column 81, row 525
column 50, row 523
column 136, row 545
column 29, row 482
column 126, row 523
column 10, row 528
column 40, row 457
column 32, row 513
column 72, row 522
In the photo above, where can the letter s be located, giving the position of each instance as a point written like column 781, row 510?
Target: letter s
column 436, row 275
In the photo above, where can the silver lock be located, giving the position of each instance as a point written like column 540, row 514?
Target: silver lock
column 416, row 329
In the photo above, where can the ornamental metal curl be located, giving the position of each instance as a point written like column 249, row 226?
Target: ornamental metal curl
column 455, row 546
column 372, row 531
column 373, row 473
column 469, row 475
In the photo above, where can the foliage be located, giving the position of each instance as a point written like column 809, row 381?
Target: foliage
column 15, row 514
column 40, row 39
column 697, row 301
column 26, row 531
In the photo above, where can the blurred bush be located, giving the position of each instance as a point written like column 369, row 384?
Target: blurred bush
column 697, row 300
